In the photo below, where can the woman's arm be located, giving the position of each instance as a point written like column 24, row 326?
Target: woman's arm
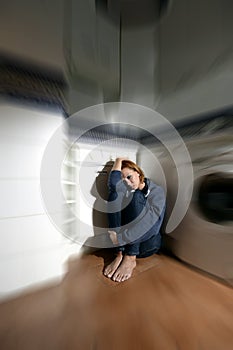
column 117, row 164
column 117, row 189
column 146, row 220
column 114, row 181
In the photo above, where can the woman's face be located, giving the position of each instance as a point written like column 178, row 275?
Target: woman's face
column 131, row 177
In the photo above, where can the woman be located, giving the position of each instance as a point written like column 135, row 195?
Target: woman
column 135, row 213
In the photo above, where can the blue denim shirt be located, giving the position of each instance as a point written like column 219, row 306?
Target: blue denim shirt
column 150, row 217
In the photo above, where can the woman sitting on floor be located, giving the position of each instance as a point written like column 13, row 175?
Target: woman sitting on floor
column 136, row 208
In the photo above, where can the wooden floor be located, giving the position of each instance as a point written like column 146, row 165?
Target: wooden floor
column 165, row 305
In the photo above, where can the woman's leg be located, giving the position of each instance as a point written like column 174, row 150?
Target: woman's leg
column 114, row 223
column 114, row 211
column 150, row 246
column 130, row 213
column 149, row 243
column 114, row 217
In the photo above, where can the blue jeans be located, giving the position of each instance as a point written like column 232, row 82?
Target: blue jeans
column 150, row 242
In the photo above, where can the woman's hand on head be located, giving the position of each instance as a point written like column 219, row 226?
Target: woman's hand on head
column 118, row 162
column 120, row 159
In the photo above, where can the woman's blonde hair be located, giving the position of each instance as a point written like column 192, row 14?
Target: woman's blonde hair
column 131, row 165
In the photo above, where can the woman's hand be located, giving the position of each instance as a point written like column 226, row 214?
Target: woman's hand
column 119, row 159
column 118, row 162
column 113, row 237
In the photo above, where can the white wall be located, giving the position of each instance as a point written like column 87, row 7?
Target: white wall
column 32, row 250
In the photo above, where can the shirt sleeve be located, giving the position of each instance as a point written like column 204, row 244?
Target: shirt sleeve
column 147, row 218
column 115, row 183
column 115, row 197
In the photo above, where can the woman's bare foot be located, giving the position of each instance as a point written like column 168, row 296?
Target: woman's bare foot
column 111, row 268
column 125, row 269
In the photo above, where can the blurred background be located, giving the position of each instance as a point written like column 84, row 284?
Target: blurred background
column 59, row 57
